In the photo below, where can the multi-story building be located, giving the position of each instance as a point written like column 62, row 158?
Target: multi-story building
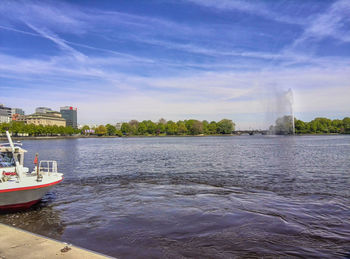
column 7, row 114
column 70, row 114
column 4, row 116
column 16, row 111
column 5, row 110
column 42, row 110
column 46, row 119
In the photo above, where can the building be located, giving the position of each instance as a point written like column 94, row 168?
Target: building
column 4, row 118
column 70, row 114
column 42, row 110
column 5, row 110
column 7, row 114
column 118, row 125
column 16, row 111
column 46, row 119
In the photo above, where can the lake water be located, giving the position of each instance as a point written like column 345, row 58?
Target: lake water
column 203, row 197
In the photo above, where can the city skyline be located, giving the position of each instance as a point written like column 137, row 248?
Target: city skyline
column 200, row 59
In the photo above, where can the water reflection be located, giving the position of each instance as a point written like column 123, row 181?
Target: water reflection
column 43, row 218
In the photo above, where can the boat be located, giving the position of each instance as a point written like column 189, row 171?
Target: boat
column 19, row 188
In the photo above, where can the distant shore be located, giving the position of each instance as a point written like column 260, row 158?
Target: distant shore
column 2, row 138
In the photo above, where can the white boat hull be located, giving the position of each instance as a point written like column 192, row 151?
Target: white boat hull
column 23, row 197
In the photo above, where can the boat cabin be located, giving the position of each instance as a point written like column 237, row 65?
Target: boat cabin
column 6, row 157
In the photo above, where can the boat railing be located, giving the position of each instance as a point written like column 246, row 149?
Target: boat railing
column 47, row 166
column 8, row 144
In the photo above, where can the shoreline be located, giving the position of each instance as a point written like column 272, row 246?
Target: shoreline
column 3, row 138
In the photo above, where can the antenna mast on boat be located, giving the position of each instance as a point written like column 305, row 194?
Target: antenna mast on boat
column 13, row 154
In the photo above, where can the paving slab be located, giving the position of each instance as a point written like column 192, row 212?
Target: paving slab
column 17, row 243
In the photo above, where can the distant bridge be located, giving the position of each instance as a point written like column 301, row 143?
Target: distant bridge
column 251, row 132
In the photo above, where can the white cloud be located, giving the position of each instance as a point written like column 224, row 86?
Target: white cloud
column 334, row 23
column 253, row 8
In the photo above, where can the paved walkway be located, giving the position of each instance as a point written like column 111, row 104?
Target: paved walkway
column 16, row 243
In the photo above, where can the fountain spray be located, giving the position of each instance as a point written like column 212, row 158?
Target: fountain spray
column 290, row 98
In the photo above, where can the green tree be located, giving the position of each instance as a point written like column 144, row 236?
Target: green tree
column 142, row 128
column 101, row 130
column 225, row 126
column 212, row 128
column 151, row 127
column 133, row 126
column 194, row 127
column 181, row 128
column 126, row 128
column 171, row 128
column 111, row 130
column 160, row 128
column 300, row 127
column 346, row 125
column 119, row 133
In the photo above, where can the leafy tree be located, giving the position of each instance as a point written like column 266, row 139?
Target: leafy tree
column 225, row 126
column 126, row 128
column 69, row 130
column 151, row 127
column 119, row 133
column 212, row 128
column 111, row 130
column 197, row 127
column 205, row 124
column 346, row 125
column 142, row 128
column 171, row 128
column 300, row 126
column 181, row 128
column 160, row 128
column 101, row 130
column 194, row 127
column 133, row 126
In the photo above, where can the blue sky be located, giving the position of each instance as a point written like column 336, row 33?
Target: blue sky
column 177, row 59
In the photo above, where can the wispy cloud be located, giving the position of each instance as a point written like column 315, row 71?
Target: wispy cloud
column 57, row 40
column 252, row 8
column 146, row 66
column 334, row 23
column 58, row 15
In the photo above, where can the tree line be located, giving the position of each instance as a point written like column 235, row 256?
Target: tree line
column 187, row 127
column 18, row 128
column 163, row 127
column 323, row 126
column 319, row 125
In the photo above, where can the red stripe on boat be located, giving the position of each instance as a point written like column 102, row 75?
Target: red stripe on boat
column 30, row 187
column 18, row 206
column 9, row 173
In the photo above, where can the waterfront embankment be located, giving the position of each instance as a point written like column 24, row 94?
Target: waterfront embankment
column 16, row 243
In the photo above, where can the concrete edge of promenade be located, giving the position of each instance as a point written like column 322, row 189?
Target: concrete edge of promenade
column 18, row 243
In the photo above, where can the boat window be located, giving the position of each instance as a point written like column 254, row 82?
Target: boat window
column 6, row 159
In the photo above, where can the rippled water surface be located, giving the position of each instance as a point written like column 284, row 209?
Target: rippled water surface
column 208, row 197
